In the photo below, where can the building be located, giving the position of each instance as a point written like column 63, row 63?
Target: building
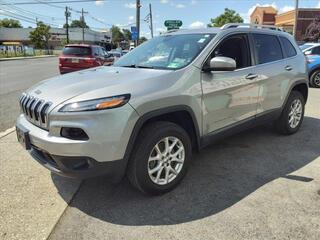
column 286, row 20
column 263, row 16
column 58, row 36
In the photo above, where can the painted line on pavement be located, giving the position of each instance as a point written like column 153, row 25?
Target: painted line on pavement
column 7, row 132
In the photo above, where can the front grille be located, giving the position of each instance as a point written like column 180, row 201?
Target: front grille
column 35, row 110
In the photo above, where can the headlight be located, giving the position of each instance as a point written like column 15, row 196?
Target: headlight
column 96, row 104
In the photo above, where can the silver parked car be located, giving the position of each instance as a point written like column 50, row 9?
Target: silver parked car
column 175, row 93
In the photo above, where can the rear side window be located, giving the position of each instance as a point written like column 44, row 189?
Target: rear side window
column 79, row 51
column 267, row 48
column 289, row 50
column 316, row 51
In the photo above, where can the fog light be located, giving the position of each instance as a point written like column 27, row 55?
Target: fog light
column 74, row 133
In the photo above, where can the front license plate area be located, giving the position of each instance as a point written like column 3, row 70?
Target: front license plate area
column 23, row 137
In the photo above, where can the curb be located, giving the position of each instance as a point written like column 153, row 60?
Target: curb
column 22, row 58
column 7, row 132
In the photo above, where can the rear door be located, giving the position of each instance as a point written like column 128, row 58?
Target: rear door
column 272, row 70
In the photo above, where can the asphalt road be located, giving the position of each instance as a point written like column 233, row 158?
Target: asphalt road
column 15, row 77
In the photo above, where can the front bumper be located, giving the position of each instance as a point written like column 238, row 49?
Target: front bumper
column 79, row 167
column 101, row 154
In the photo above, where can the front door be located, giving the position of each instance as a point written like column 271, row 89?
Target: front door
column 230, row 97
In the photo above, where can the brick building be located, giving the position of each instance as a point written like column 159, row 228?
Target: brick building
column 269, row 16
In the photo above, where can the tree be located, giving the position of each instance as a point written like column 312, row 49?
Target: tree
column 77, row 24
column 40, row 35
column 10, row 23
column 117, row 35
column 229, row 16
column 126, row 34
column 142, row 40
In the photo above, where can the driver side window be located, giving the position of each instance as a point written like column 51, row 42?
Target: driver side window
column 235, row 47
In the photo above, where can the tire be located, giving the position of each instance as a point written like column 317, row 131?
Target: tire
column 315, row 79
column 141, row 165
column 285, row 124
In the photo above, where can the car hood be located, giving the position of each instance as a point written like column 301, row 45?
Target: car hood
column 96, row 83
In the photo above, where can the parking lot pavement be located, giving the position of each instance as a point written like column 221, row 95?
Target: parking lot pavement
column 30, row 204
column 255, row 185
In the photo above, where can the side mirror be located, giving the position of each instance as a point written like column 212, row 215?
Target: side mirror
column 222, row 64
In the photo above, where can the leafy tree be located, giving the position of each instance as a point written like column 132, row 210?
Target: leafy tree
column 142, row 40
column 117, row 35
column 126, row 34
column 77, row 24
column 40, row 35
column 229, row 16
column 10, row 23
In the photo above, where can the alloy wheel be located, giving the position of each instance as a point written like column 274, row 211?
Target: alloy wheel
column 295, row 113
column 316, row 80
column 166, row 160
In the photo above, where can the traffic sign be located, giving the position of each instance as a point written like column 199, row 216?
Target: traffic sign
column 173, row 24
column 134, row 33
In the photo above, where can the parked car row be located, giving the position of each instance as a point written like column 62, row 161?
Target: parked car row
column 77, row 57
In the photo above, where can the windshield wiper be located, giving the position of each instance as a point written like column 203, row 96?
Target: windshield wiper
column 128, row 66
column 137, row 66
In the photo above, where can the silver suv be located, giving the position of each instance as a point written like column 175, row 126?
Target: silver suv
column 176, row 93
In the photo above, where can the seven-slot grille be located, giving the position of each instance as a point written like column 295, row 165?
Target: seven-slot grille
column 35, row 110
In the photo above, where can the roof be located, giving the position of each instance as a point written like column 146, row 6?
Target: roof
column 229, row 27
column 212, row 30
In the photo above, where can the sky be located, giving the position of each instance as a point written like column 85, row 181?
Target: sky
column 103, row 14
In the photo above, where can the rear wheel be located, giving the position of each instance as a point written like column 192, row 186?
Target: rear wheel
column 160, row 158
column 292, row 115
column 315, row 79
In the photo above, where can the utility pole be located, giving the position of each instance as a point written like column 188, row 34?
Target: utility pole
column 151, row 23
column 296, row 19
column 138, row 6
column 82, row 20
column 67, row 14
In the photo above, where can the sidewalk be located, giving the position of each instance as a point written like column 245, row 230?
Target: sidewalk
column 31, row 57
column 30, row 202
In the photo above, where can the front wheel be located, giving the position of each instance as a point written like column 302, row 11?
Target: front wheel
column 292, row 115
column 315, row 79
column 160, row 158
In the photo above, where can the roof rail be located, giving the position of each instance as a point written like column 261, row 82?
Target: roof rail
column 249, row 25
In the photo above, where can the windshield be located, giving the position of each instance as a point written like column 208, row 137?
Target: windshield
column 79, row 51
column 305, row 46
column 166, row 52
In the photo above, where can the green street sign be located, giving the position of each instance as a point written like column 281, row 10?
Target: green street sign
column 173, row 24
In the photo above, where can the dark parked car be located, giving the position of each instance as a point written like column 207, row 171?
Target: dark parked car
column 81, row 56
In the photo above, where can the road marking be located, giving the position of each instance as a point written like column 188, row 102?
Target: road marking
column 7, row 132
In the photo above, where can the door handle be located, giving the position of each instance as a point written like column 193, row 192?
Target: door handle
column 288, row 68
column 251, row 76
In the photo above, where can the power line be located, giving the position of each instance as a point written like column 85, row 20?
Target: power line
column 41, row 2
